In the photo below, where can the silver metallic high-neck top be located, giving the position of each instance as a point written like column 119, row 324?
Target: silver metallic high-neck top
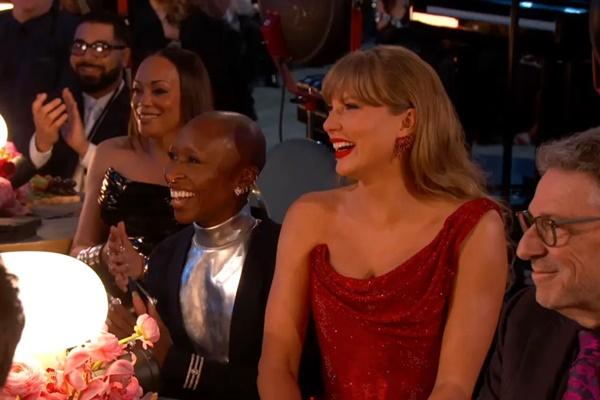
column 210, row 281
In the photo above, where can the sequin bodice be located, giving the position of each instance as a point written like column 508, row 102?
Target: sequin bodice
column 144, row 207
column 380, row 338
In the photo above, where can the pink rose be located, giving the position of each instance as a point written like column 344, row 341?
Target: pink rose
column 106, row 348
column 23, row 381
column 147, row 327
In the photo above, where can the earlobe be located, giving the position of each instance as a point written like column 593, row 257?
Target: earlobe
column 409, row 121
column 247, row 179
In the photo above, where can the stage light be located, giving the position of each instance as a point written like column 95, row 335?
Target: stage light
column 434, row 20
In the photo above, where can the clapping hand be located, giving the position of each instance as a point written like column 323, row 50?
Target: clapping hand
column 73, row 132
column 48, row 119
column 122, row 259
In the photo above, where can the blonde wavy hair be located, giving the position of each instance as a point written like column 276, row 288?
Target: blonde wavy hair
column 395, row 77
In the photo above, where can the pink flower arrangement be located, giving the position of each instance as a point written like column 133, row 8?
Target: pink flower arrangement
column 99, row 370
column 11, row 201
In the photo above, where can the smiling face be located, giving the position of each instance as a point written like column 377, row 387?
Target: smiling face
column 156, row 98
column 363, row 136
column 567, row 276
column 96, row 74
column 203, row 172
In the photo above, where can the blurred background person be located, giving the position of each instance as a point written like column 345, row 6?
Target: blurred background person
column 197, row 25
column 35, row 41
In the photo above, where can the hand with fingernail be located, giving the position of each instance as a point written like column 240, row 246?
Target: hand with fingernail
column 48, row 118
column 122, row 259
column 120, row 321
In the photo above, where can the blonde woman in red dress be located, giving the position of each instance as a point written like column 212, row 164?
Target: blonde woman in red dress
column 404, row 271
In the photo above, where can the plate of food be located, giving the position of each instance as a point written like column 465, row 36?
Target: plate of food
column 53, row 197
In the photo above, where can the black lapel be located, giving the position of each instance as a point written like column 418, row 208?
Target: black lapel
column 173, row 283
column 247, row 306
column 546, row 359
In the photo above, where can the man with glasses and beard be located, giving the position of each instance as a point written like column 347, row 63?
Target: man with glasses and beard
column 548, row 341
column 66, row 135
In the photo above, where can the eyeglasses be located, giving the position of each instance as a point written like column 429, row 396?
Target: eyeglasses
column 546, row 226
column 100, row 49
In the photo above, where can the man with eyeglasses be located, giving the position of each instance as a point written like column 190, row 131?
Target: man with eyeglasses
column 548, row 341
column 67, row 129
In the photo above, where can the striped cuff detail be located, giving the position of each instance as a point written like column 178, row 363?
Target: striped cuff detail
column 194, row 371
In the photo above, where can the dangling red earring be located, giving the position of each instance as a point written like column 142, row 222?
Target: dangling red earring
column 403, row 144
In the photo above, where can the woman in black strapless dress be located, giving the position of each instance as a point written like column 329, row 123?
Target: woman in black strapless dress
column 127, row 208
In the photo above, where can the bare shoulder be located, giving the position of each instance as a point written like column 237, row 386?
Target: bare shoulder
column 114, row 144
column 308, row 219
column 316, row 207
column 112, row 150
column 488, row 235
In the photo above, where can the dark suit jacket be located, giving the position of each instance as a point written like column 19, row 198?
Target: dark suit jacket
column 221, row 49
column 236, row 380
column 35, row 59
column 64, row 160
column 534, row 350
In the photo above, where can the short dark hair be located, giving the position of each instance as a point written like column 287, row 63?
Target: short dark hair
column 120, row 29
column 11, row 321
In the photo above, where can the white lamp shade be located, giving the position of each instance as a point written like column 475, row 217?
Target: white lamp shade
column 63, row 299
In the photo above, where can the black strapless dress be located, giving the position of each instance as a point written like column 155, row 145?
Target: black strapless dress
column 144, row 208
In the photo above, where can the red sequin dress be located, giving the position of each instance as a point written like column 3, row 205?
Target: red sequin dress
column 380, row 337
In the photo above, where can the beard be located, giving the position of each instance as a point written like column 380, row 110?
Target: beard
column 93, row 84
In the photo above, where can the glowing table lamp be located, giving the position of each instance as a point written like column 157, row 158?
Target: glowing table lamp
column 64, row 302
column 3, row 132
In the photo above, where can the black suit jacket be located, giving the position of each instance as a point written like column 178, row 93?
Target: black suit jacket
column 237, row 379
column 221, row 49
column 534, row 350
column 35, row 59
column 115, row 122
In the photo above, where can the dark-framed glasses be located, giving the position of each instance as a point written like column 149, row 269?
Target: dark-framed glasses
column 99, row 49
column 546, row 227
